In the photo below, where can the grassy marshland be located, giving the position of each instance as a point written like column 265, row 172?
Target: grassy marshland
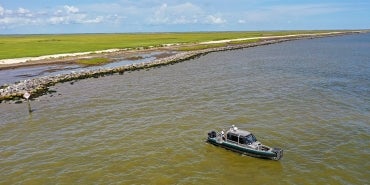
column 206, row 46
column 92, row 61
column 16, row 46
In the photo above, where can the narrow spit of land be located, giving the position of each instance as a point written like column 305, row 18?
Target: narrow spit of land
column 185, row 51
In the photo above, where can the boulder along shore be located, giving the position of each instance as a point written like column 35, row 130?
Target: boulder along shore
column 40, row 86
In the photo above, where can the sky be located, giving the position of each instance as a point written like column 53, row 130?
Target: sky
column 126, row 16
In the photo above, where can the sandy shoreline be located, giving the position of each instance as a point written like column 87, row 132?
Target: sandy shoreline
column 55, row 56
column 69, row 58
column 271, row 37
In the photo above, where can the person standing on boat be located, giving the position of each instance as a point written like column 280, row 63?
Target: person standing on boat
column 223, row 134
column 231, row 128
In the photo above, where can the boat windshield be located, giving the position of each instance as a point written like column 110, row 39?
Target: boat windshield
column 250, row 138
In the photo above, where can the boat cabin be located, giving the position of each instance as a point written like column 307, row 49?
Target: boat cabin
column 243, row 142
column 240, row 137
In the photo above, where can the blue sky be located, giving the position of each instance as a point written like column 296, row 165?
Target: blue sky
column 118, row 16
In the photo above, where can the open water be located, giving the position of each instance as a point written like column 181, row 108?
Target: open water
column 309, row 97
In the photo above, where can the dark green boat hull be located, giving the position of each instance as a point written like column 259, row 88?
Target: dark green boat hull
column 244, row 150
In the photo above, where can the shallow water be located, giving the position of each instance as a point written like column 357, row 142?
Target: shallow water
column 309, row 97
column 9, row 76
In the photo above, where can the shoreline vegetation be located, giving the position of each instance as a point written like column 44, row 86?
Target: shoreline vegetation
column 193, row 47
column 93, row 61
column 19, row 46
column 16, row 49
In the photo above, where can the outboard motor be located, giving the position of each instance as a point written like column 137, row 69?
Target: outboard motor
column 278, row 152
column 212, row 134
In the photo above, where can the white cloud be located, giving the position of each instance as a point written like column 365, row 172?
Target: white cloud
column 240, row 21
column 2, row 11
column 67, row 15
column 18, row 17
column 22, row 11
column 71, row 9
column 212, row 19
column 12, row 21
column 56, row 20
column 185, row 13
column 185, row 20
column 98, row 19
column 160, row 16
column 64, row 15
column 72, row 16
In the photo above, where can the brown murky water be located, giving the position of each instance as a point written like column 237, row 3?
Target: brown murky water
column 309, row 97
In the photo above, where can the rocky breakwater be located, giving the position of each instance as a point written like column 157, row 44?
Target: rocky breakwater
column 40, row 86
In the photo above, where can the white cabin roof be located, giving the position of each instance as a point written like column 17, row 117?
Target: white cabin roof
column 240, row 132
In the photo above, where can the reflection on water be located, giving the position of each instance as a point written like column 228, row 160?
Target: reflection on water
column 309, row 97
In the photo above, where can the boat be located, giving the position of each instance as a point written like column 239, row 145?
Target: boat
column 243, row 142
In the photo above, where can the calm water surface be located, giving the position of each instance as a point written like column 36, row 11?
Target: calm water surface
column 309, row 97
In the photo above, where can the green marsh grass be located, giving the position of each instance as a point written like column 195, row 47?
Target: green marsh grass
column 16, row 46
column 207, row 46
column 202, row 46
column 93, row 61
